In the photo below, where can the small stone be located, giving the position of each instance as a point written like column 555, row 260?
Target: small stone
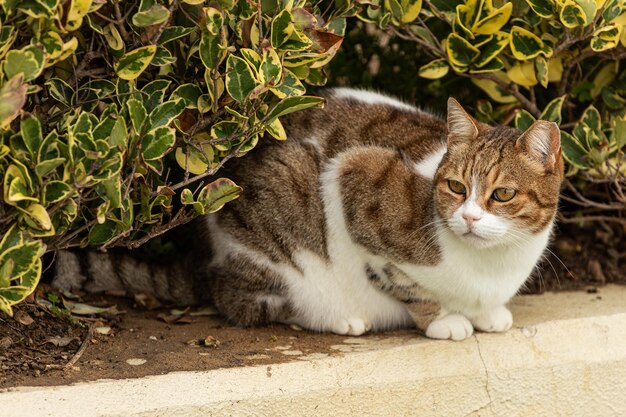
column 6, row 342
column 529, row 331
column 103, row 330
column 135, row 361
column 292, row 352
column 153, row 338
column 295, row 327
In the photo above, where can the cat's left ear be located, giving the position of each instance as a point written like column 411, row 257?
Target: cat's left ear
column 543, row 142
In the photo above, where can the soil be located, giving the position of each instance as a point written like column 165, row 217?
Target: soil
column 40, row 346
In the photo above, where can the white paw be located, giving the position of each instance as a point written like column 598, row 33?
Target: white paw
column 452, row 326
column 499, row 319
column 352, row 327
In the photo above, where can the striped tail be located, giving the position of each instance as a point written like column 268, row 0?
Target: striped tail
column 122, row 274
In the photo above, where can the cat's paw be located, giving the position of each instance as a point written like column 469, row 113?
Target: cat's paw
column 452, row 326
column 499, row 319
column 352, row 327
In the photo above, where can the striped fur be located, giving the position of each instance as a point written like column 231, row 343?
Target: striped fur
column 353, row 217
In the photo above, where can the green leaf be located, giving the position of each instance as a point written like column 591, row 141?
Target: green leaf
column 541, row 70
column 491, row 49
column 434, row 69
column 606, row 37
column 154, row 15
column 189, row 93
column 543, row 8
column 591, row 117
column 133, row 63
column 552, row 112
column 99, row 234
column 524, row 120
column 212, row 46
column 240, row 80
column 494, row 21
column 119, row 134
column 13, row 237
column 572, row 15
column 22, row 62
column 39, row 215
column 290, row 86
column 282, row 28
column 619, row 133
column 23, row 256
column 60, row 91
column 276, row 129
column 612, row 9
column 292, row 104
column 30, row 129
column 162, row 57
column 15, row 186
column 137, row 113
column 213, row 196
column 45, row 167
column 55, row 191
column 460, row 52
column 186, row 198
column 525, row 44
column 573, row 152
column 156, row 142
column 113, row 38
column 174, row 32
column 165, row 112
column 270, row 68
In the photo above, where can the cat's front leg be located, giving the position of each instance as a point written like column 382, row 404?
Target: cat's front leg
column 439, row 323
column 498, row 319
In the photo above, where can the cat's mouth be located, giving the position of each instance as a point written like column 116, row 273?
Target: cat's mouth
column 471, row 235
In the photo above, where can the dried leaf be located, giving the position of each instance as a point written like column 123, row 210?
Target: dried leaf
column 60, row 341
column 211, row 341
column 147, row 301
column 174, row 318
column 24, row 318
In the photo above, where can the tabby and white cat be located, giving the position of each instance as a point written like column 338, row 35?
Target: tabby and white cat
column 370, row 204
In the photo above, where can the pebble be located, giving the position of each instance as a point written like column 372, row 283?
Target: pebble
column 135, row 361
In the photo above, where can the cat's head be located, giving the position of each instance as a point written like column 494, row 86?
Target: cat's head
column 497, row 185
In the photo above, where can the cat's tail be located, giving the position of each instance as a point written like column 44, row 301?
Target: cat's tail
column 122, row 274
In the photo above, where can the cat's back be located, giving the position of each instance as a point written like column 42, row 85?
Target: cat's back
column 352, row 118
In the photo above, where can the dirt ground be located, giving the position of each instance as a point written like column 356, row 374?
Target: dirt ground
column 42, row 345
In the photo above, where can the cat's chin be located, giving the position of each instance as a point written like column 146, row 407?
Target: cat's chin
column 477, row 241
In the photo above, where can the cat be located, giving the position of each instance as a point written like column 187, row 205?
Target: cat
column 371, row 205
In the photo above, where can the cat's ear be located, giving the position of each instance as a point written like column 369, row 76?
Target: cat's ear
column 461, row 126
column 542, row 141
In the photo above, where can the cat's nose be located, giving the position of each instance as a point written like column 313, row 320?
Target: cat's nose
column 470, row 218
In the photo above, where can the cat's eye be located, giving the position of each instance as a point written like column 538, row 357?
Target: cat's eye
column 456, row 187
column 503, row 194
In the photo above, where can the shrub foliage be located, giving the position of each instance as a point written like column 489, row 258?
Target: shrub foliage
column 115, row 116
column 110, row 110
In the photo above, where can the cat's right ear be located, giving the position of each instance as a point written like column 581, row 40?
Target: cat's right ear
column 461, row 126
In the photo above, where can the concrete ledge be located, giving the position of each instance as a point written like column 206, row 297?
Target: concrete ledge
column 571, row 366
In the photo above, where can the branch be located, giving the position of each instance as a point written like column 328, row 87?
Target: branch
column 508, row 87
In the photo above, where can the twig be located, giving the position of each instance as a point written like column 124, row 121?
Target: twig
column 81, row 350
column 582, row 219
column 511, row 89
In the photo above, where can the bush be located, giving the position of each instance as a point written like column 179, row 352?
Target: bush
column 114, row 116
column 110, row 110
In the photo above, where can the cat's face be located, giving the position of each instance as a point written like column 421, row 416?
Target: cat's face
column 497, row 185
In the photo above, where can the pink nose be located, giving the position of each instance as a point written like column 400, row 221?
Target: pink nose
column 471, row 218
